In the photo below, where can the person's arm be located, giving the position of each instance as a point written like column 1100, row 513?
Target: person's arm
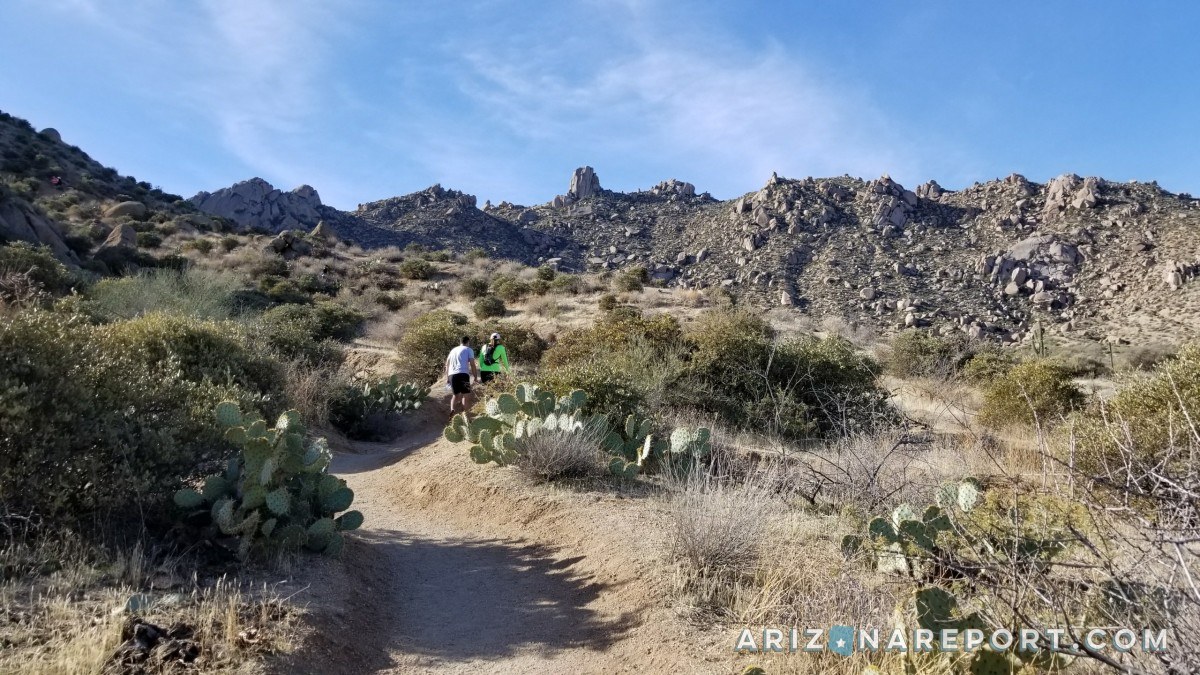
column 475, row 369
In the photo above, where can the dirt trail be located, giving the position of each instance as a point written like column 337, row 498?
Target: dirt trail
column 463, row 568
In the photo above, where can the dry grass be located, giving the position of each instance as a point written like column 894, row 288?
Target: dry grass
column 71, row 621
column 310, row 388
column 546, row 306
column 551, row 455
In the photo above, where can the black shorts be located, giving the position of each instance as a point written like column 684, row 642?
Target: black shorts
column 460, row 383
column 486, row 376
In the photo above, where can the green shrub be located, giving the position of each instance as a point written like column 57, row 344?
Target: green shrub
column 539, row 287
column 521, row 344
column 475, row 254
column 632, row 279
column 268, row 265
column 325, row 320
column 415, row 268
column 100, row 421
column 229, row 243
column 192, row 292
column 918, row 353
column 40, row 263
column 546, row 273
column 392, row 301
column 489, row 306
column 796, row 388
column 421, row 352
column 281, row 290
column 151, row 240
column 200, row 350
column 202, row 245
column 509, row 289
column 987, row 365
column 473, row 288
column 608, row 302
column 1152, row 414
column 309, row 332
column 626, row 364
column 565, row 283
column 1034, row 391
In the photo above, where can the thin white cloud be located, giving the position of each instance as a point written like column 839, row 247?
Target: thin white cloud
column 722, row 118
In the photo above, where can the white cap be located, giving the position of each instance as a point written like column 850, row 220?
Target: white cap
column 495, row 336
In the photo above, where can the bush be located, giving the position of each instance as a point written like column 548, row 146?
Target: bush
column 608, row 302
column 40, row 263
column 632, row 279
column 200, row 350
column 539, row 287
column 201, row 245
column 986, row 366
column 475, row 254
column 625, row 364
column 151, row 240
column 1151, row 414
column 415, row 268
column 509, row 289
column 267, row 266
column 228, row 243
column 565, row 283
column 193, row 293
column 422, row 350
column 473, row 288
column 138, row 422
column 489, row 306
column 520, row 343
column 553, row 455
column 392, row 301
column 1035, row 391
column 918, row 353
column 308, row 332
column 325, row 320
column 795, row 388
column 546, row 273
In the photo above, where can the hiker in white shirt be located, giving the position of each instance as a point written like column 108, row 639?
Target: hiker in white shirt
column 460, row 370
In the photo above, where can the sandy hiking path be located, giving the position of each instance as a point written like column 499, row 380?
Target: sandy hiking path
column 462, row 568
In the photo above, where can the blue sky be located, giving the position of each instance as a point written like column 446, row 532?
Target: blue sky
column 368, row 99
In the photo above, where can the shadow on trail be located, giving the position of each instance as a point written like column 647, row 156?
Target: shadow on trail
column 487, row 599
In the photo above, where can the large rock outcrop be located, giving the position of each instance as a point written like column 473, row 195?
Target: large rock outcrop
column 20, row 221
column 255, row 203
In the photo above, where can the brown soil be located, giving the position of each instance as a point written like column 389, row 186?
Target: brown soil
column 463, row 568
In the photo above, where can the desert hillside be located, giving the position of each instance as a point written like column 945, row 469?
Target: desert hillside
column 228, row 443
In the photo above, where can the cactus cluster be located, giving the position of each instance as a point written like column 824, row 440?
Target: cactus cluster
column 632, row 447
column 939, row 547
column 277, row 492
column 905, row 539
column 509, row 418
column 354, row 407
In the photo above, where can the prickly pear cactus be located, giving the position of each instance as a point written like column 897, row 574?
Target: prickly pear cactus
column 273, row 491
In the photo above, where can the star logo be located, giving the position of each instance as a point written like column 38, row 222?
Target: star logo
column 841, row 640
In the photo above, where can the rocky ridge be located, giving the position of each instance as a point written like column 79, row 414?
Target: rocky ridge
column 992, row 259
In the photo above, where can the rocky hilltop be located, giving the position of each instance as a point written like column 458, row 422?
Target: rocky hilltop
column 255, row 203
column 991, row 260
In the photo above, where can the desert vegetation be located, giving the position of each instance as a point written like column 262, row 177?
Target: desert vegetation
column 171, row 409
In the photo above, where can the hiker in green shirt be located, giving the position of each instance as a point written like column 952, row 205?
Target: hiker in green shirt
column 493, row 358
